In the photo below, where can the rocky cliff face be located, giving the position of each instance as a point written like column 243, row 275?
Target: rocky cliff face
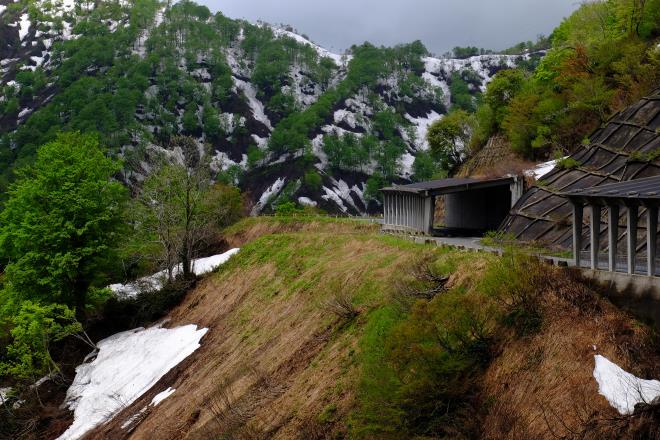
column 263, row 102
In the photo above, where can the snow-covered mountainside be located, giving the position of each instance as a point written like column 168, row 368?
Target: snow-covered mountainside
column 273, row 112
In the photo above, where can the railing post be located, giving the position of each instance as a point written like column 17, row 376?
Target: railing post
column 651, row 238
column 578, row 213
column 595, row 235
column 613, row 235
column 631, row 238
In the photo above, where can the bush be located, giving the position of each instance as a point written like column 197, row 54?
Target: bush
column 34, row 327
column 515, row 281
column 287, row 208
column 313, row 180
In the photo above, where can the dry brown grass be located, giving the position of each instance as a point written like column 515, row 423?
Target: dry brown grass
column 272, row 359
column 542, row 387
column 252, row 228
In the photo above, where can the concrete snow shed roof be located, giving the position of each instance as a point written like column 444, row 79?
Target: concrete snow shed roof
column 447, row 186
column 624, row 148
column 637, row 189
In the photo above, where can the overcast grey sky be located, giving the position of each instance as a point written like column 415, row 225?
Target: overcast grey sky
column 440, row 24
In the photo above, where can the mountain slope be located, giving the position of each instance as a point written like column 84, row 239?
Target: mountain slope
column 272, row 111
column 278, row 362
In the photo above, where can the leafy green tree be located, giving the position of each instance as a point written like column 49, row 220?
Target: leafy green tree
column 34, row 327
column 313, row 180
column 424, row 167
column 449, row 137
column 211, row 121
column 61, row 222
column 190, row 122
column 460, row 93
column 373, row 186
column 180, row 210
column 255, row 155
column 502, row 89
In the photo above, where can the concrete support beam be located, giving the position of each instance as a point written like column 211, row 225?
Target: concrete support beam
column 386, row 209
column 651, row 238
column 631, row 234
column 578, row 213
column 429, row 207
column 613, row 235
column 594, row 234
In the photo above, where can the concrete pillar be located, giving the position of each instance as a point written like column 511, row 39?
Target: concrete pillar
column 406, row 210
column 427, row 226
column 613, row 235
column 517, row 189
column 389, row 208
column 578, row 214
column 395, row 207
column 418, row 214
column 594, row 234
column 651, row 238
column 631, row 234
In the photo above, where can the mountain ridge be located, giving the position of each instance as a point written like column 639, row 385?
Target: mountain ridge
column 229, row 84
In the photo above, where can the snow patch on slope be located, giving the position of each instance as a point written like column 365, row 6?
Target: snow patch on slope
column 126, row 366
column 300, row 39
column 270, row 192
column 256, row 106
column 162, row 396
column 4, row 393
column 24, row 26
column 482, row 65
column 422, row 125
column 622, row 389
column 542, row 169
column 156, row 281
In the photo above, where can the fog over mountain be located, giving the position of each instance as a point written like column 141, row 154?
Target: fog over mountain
column 440, row 24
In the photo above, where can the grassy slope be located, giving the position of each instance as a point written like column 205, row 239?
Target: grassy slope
column 290, row 369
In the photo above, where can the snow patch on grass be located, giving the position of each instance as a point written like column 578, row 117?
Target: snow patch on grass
column 622, row 389
column 126, row 366
column 162, row 396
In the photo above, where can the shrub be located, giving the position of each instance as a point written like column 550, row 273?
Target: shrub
column 567, row 163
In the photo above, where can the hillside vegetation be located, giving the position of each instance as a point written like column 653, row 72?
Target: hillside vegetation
column 276, row 114
column 603, row 57
column 328, row 329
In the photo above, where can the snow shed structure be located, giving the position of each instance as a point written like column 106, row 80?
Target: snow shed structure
column 632, row 195
column 625, row 148
column 471, row 206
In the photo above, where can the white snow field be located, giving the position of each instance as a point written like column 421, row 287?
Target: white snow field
column 156, row 281
column 622, row 389
column 126, row 366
